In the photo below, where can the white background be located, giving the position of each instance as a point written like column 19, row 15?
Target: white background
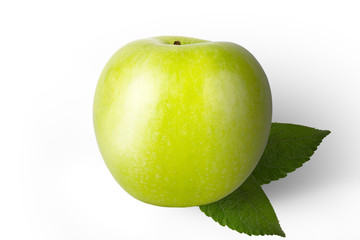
column 54, row 184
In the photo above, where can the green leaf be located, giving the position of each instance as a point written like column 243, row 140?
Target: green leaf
column 288, row 148
column 246, row 210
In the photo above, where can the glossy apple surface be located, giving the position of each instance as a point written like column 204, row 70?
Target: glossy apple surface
column 182, row 125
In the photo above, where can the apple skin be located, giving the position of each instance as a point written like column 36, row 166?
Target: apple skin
column 182, row 125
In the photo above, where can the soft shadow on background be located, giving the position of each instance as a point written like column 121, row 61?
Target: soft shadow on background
column 303, row 181
column 323, row 170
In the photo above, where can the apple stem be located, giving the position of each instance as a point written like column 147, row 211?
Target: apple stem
column 177, row 43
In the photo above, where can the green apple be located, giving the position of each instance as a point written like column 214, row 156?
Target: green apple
column 182, row 121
